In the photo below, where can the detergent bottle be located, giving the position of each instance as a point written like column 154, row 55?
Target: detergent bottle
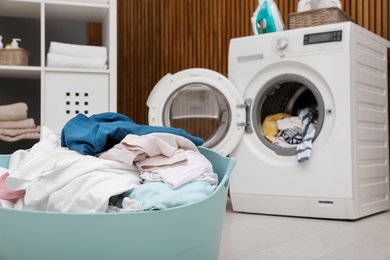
column 267, row 17
column 14, row 43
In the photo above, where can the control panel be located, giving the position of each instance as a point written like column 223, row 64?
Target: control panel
column 314, row 38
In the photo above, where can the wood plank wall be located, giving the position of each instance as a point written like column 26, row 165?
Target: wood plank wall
column 156, row 37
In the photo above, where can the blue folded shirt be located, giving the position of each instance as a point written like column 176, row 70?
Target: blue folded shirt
column 97, row 133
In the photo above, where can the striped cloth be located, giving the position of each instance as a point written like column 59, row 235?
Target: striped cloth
column 308, row 117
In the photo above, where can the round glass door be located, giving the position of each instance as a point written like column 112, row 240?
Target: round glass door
column 201, row 110
column 202, row 102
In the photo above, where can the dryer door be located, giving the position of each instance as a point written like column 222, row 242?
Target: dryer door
column 202, row 102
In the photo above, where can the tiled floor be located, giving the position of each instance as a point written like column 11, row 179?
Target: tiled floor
column 254, row 236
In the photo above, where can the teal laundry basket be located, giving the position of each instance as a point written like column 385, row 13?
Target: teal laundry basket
column 182, row 233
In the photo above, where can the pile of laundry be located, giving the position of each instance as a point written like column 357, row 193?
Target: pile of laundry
column 66, row 55
column 288, row 131
column 108, row 163
column 15, row 124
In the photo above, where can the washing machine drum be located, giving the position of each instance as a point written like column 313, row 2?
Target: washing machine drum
column 287, row 96
column 202, row 102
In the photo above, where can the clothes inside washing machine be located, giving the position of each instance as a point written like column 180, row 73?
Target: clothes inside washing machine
column 288, row 116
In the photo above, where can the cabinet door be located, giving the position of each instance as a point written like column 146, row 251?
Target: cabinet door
column 67, row 94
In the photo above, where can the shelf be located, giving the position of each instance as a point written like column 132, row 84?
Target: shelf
column 77, row 3
column 21, row 9
column 31, row 72
column 53, row 69
column 59, row 10
column 52, row 92
column 22, row 72
column 74, row 11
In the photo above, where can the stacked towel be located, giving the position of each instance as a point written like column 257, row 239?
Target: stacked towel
column 67, row 55
column 14, row 124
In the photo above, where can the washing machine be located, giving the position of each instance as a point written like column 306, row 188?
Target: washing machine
column 337, row 70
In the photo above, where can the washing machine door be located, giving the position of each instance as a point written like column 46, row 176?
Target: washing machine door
column 202, row 102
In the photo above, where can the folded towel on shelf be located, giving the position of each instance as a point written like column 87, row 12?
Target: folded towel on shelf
column 13, row 135
column 79, row 51
column 24, row 123
column 63, row 61
column 12, row 112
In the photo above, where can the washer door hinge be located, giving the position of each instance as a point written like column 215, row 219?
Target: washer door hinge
column 247, row 105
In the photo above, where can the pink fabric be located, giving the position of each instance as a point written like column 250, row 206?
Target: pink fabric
column 16, row 134
column 151, row 150
column 7, row 194
column 161, row 149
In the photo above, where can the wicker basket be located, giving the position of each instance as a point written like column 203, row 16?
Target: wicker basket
column 14, row 57
column 317, row 17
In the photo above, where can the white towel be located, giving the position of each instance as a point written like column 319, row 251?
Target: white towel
column 291, row 122
column 63, row 61
column 79, row 51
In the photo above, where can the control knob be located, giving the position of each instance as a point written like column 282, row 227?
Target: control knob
column 282, row 44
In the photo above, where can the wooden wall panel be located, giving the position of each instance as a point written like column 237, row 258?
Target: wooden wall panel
column 94, row 34
column 156, row 37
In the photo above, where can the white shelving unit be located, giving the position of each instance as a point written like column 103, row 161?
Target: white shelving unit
column 64, row 92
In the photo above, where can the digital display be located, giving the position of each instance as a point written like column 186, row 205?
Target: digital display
column 322, row 37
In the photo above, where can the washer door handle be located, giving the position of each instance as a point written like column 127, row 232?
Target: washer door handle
column 247, row 105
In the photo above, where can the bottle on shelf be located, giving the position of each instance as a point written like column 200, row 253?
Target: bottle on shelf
column 14, row 43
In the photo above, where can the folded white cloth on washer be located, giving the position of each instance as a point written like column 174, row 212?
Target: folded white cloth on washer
column 307, row 5
column 79, row 51
column 63, row 61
